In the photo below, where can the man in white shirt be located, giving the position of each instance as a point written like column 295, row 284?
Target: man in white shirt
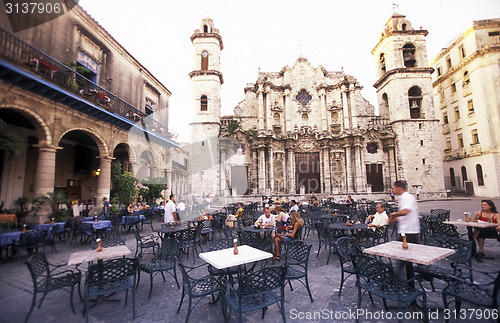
column 407, row 215
column 266, row 219
column 378, row 219
column 170, row 211
column 294, row 206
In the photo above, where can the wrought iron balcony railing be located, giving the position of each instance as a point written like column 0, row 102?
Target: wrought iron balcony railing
column 25, row 56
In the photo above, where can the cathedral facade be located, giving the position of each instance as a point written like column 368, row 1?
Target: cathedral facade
column 305, row 129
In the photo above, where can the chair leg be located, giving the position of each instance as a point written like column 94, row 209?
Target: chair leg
column 162, row 275
column 138, row 279
column 290, row 283
column 151, row 284
column 445, row 303
column 71, row 299
column 133, row 302
column 31, row 307
column 41, row 301
column 175, row 277
column 341, row 281
column 189, row 310
column 182, row 298
column 309, row 289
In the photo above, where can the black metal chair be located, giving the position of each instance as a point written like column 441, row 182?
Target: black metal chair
column 324, row 240
column 186, row 240
column 85, row 231
column 346, row 248
column 106, row 243
column 378, row 278
column 256, row 290
column 297, row 262
column 109, row 277
column 163, row 261
column 145, row 242
column 442, row 214
column 130, row 221
column 254, row 239
column 219, row 245
column 374, row 237
column 478, row 294
column 46, row 280
column 444, row 229
column 31, row 241
column 198, row 287
column 462, row 255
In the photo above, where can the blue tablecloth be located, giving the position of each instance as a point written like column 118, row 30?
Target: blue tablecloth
column 99, row 225
column 141, row 217
column 10, row 238
column 48, row 227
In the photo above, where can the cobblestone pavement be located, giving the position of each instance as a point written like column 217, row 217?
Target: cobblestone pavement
column 16, row 287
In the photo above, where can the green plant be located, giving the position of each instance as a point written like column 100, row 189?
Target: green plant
column 232, row 126
column 38, row 202
column 62, row 215
column 21, row 202
column 152, row 189
column 251, row 132
column 10, row 142
column 58, row 197
column 124, row 185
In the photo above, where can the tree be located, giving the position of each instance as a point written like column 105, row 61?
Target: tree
column 10, row 142
column 124, row 185
column 152, row 189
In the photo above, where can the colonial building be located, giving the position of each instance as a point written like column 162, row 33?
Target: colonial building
column 81, row 102
column 305, row 129
column 466, row 86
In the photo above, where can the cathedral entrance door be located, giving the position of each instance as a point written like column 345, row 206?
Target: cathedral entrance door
column 307, row 172
column 374, row 177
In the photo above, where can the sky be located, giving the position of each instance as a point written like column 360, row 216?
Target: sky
column 270, row 34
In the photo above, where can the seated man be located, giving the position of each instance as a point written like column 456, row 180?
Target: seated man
column 237, row 216
column 266, row 220
column 378, row 219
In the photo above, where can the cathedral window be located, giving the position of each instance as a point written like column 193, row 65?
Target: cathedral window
column 335, row 117
column 372, row 147
column 303, row 97
column 445, row 118
column 305, row 117
column 466, row 80
column 448, row 62
column 479, row 173
column 276, row 118
column 382, row 63
column 461, row 51
column 204, row 61
column 205, row 29
column 409, row 55
column 415, row 101
column 460, row 140
column 452, row 177
column 475, row 137
column 203, row 103
column 470, row 106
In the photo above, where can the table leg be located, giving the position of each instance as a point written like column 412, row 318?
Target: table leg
column 409, row 273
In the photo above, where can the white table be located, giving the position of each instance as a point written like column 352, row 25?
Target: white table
column 478, row 224
column 80, row 257
column 416, row 253
column 225, row 258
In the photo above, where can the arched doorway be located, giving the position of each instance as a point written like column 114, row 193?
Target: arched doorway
column 78, row 166
column 145, row 171
column 20, row 134
column 121, row 156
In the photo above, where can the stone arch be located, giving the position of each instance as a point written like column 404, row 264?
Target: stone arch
column 131, row 150
column 142, row 172
column 99, row 140
column 41, row 127
column 132, row 156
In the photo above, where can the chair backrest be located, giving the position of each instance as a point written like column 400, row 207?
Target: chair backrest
column 347, row 247
column 376, row 272
column 442, row 214
column 463, row 248
column 220, row 244
column 131, row 219
column 263, row 280
column 169, row 249
column 38, row 267
column 184, row 235
column 297, row 251
column 107, row 243
column 86, row 227
column 111, row 270
column 31, row 238
column 252, row 239
column 444, row 229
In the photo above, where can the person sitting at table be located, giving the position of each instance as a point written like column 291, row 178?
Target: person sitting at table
column 293, row 232
column 490, row 214
column 266, row 220
column 137, row 207
column 350, row 201
column 378, row 219
column 282, row 218
column 294, row 206
column 130, row 209
column 237, row 216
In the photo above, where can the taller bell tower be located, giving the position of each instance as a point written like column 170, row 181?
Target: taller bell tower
column 404, row 91
column 206, row 79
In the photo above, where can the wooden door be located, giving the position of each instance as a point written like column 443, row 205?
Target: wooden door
column 307, row 172
column 375, row 177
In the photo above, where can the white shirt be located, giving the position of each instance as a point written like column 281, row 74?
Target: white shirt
column 410, row 222
column 380, row 219
column 182, row 206
column 169, row 209
column 294, row 208
column 265, row 220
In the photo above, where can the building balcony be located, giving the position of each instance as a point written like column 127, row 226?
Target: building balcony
column 466, row 90
column 35, row 71
column 446, row 129
column 474, row 150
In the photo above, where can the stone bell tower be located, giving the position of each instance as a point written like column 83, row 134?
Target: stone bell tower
column 206, row 79
column 404, row 91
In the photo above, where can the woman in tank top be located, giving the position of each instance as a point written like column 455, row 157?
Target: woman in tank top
column 490, row 214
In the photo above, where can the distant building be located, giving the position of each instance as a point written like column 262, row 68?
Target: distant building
column 466, row 84
column 305, row 129
column 81, row 102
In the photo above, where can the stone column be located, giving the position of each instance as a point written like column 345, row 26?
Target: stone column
column 269, row 123
column 345, row 108
column 260, row 108
column 326, row 162
column 223, row 180
column 104, row 179
column 262, row 171
column 360, row 184
column 271, row 170
column 348, row 168
column 45, row 170
column 323, row 110
column 291, row 158
column 287, row 112
column 286, row 175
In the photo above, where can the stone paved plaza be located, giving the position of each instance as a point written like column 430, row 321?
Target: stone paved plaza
column 16, row 287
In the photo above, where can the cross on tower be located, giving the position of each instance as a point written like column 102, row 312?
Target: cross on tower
column 394, row 7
